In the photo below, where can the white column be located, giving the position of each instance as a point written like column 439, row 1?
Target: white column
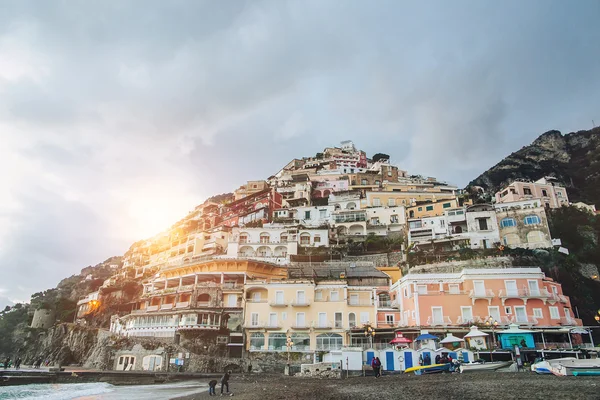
column 591, row 339
column 195, row 279
column 166, row 283
column 222, row 278
column 180, row 282
column 417, row 313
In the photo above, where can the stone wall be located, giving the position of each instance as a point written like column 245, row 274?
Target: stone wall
column 43, row 318
column 459, row 265
column 380, row 260
column 589, row 271
column 274, row 362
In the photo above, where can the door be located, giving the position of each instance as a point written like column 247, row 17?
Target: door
column 231, row 300
column 322, row 320
column 479, row 288
column 300, row 320
column 256, row 296
column 389, row 361
column 370, row 356
column 273, row 319
column 338, row 320
column 151, row 363
column 466, row 314
column 300, row 297
column 511, row 288
column 534, row 289
column 521, row 314
column 354, row 299
column 408, row 361
column 438, row 316
column 494, row 312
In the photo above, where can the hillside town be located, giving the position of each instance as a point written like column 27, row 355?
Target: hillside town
column 342, row 257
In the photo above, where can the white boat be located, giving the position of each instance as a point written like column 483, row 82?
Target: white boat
column 484, row 366
column 574, row 366
column 543, row 366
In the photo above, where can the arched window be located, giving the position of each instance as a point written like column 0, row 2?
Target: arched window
column 458, row 229
column 337, row 207
column 283, row 238
column 277, row 341
column 411, row 214
column 532, row 220
column 305, row 239
column 243, row 238
column 352, row 320
column 508, row 222
column 326, row 193
column 265, row 237
column 511, row 239
column 329, row 341
column 351, row 206
column 203, row 299
column 257, row 341
column 535, row 237
column 301, row 341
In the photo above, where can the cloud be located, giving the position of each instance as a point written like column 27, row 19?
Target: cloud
column 116, row 119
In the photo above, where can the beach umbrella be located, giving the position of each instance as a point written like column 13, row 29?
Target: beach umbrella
column 426, row 336
column 400, row 339
column 450, row 338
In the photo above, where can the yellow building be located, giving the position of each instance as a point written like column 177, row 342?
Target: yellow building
column 431, row 209
column 403, row 198
column 315, row 316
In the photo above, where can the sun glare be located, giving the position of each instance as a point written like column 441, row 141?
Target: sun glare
column 150, row 216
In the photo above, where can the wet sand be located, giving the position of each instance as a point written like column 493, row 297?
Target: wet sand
column 481, row 385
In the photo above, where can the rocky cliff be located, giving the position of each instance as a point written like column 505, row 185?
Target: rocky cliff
column 573, row 158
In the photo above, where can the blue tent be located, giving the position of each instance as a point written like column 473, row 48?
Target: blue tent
column 427, row 336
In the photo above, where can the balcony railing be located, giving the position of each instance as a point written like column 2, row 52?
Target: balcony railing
column 256, row 300
column 481, row 294
column 360, row 303
column 322, row 325
column 387, row 304
column 468, row 321
column 152, row 308
column 166, row 306
column 278, row 304
column 182, row 304
column 443, row 321
column 567, row 321
column 301, row 326
column 264, row 325
column 300, row 303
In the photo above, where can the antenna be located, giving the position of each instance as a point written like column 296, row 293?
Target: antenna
column 593, row 123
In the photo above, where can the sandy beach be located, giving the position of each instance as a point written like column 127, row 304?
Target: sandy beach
column 483, row 385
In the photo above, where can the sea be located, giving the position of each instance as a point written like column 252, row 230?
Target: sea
column 101, row 391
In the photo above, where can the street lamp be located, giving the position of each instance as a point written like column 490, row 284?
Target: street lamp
column 492, row 323
column 370, row 333
column 597, row 317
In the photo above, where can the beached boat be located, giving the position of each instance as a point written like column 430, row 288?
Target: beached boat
column 572, row 367
column 543, row 366
column 429, row 369
column 484, row 366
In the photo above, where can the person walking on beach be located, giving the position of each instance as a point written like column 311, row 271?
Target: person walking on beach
column 376, row 364
column 6, row 362
column 211, row 387
column 18, row 363
column 225, row 382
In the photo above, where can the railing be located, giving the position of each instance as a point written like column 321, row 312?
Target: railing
column 468, row 321
column 182, row 304
column 300, row 303
column 199, row 326
column 232, row 286
column 563, row 299
column 328, row 346
column 374, row 346
column 300, row 326
column 166, row 306
column 385, row 324
column 454, row 292
column 322, row 325
column 359, row 303
column 265, row 325
column 257, row 301
column 152, row 308
column 444, row 321
column 388, row 304
column 527, row 320
column 478, row 294
column 322, row 299
column 278, row 304
column 552, row 345
column 567, row 321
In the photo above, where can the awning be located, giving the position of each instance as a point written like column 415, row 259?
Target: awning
column 450, row 338
column 400, row 339
column 514, row 328
column 426, row 336
column 475, row 333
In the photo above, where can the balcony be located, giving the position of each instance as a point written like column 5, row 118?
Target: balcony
column 526, row 320
column 232, row 287
column 182, row 304
column 387, row 304
column 487, row 294
column 360, row 303
column 299, row 327
column 197, row 327
column 468, row 321
column 568, row 321
column 166, row 306
column 278, row 304
column 524, row 294
column 264, row 325
column 322, row 325
column 300, row 303
column 152, row 308
column 443, row 321
column 257, row 301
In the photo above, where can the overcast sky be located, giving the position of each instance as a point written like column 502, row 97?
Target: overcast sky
column 117, row 118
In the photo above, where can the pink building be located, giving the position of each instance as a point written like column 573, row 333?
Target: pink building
column 524, row 296
column 546, row 189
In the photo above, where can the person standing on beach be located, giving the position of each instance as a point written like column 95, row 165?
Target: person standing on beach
column 225, row 381
column 6, row 362
column 376, row 364
column 18, row 363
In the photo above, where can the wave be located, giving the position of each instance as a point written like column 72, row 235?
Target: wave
column 61, row 391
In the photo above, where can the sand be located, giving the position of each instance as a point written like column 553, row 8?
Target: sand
column 480, row 385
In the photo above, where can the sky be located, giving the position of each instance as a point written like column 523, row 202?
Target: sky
column 118, row 117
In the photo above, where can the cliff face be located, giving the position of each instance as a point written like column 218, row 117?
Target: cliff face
column 573, row 158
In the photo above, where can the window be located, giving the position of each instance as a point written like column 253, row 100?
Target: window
column 306, row 214
column 420, row 209
column 479, row 288
column 534, row 288
column 537, row 313
column 520, row 314
column 394, row 218
column 508, row 222
column 254, row 319
column 364, row 317
column 283, row 238
column 483, row 224
column 337, row 320
column 527, row 191
column 322, row 214
column 354, row 299
column 273, row 319
column 494, row 312
column 300, row 297
column 279, row 297
column 544, row 193
column 391, row 202
column 322, row 321
column 264, row 237
column 429, row 208
column 335, row 296
column 532, row 220
column 300, row 320
column 284, row 316
column 453, row 288
column 466, row 314
column 511, row 288
column 363, row 182
column 559, row 194
column 446, row 205
column 257, row 341
column 376, row 202
column 422, row 289
column 277, row 341
column 389, row 172
column 352, row 319
column 437, row 315
column 554, row 313
column 318, row 295
column 508, row 310
column 389, row 319
column 305, row 239
column 317, row 239
column 256, row 296
column 329, row 341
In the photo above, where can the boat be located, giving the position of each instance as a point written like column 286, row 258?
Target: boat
column 429, row 369
column 484, row 366
column 571, row 366
column 542, row 366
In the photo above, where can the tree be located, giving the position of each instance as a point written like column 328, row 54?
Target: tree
column 380, row 156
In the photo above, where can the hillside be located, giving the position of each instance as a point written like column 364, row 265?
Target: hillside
column 573, row 158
